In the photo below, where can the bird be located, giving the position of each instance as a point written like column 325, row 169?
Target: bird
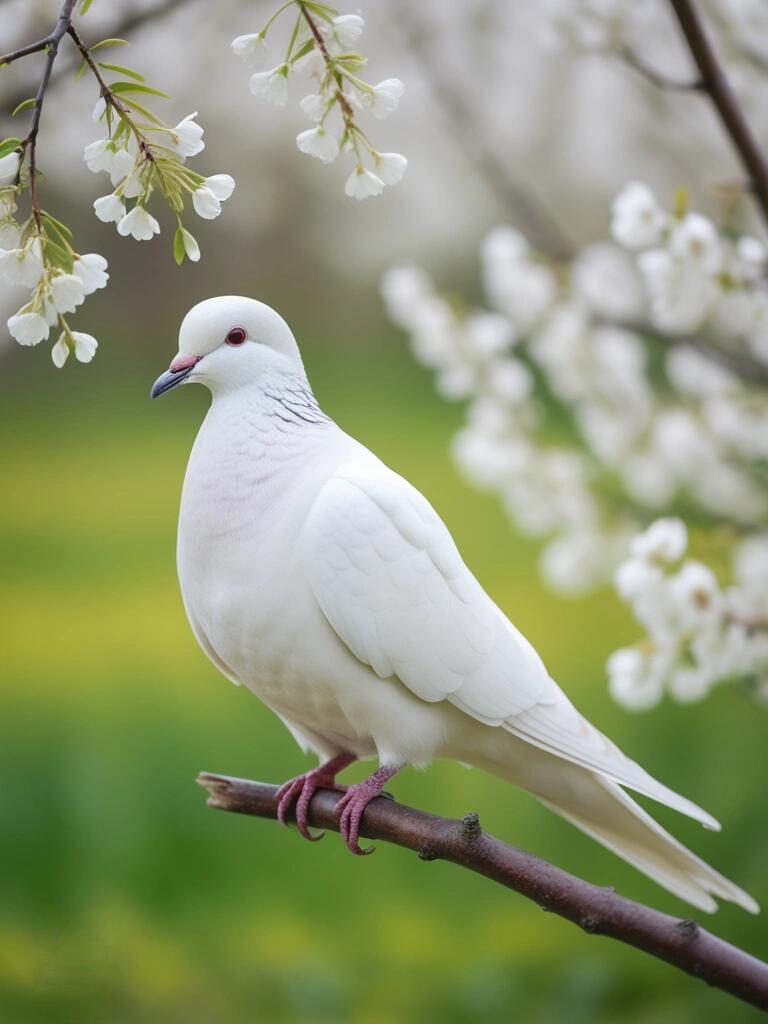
column 316, row 577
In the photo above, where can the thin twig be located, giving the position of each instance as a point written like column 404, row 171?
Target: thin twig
column 716, row 85
column 51, row 45
column 132, row 21
column 535, row 219
column 661, row 81
column 598, row 911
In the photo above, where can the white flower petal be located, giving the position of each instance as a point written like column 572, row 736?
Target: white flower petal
column 28, row 328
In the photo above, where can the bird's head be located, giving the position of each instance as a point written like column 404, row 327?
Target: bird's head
column 228, row 342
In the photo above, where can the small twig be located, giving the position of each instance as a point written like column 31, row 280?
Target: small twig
column 716, row 85
column 518, row 196
column 51, row 45
column 661, row 81
column 598, row 911
column 347, row 111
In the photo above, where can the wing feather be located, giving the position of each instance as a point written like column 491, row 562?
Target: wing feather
column 389, row 579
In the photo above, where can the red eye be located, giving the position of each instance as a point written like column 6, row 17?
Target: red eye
column 236, row 335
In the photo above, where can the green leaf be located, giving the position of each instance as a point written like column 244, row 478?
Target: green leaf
column 178, row 246
column 8, row 145
column 57, row 255
column 122, row 71
column 108, row 42
column 303, row 50
column 84, row 5
column 122, row 87
column 144, row 112
column 24, row 105
column 80, row 70
column 61, row 228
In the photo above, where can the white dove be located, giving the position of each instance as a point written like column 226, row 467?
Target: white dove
column 321, row 580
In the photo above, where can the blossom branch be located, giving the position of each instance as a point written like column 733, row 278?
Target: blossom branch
column 716, row 85
column 596, row 909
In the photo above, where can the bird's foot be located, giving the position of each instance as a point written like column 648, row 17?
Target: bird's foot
column 352, row 806
column 297, row 793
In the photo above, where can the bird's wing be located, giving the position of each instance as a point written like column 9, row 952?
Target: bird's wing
column 389, row 579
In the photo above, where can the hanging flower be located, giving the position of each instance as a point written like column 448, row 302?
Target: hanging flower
column 85, row 347
column 109, row 208
column 92, row 271
column 363, row 183
column 9, row 167
column 271, row 85
column 28, row 328
column 187, row 137
column 319, row 143
column 138, row 224
column 252, row 48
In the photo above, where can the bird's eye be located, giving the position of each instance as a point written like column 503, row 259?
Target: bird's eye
column 236, row 335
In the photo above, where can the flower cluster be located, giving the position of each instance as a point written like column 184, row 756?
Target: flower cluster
column 699, row 634
column 696, row 278
column 585, row 412
column 142, row 155
column 320, row 47
column 37, row 254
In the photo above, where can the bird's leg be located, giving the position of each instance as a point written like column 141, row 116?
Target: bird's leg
column 299, row 791
column 354, row 802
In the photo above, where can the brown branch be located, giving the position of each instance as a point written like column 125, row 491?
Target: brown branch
column 598, row 911
column 51, row 46
column 716, row 85
column 132, row 21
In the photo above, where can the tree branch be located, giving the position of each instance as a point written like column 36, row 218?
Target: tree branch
column 51, row 45
column 716, row 85
column 598, row 911
column 535, row 219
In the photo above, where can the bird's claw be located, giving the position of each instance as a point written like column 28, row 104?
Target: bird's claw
column 299, row 792
column 351, row 807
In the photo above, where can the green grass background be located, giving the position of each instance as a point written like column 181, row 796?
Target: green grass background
column 124, row 900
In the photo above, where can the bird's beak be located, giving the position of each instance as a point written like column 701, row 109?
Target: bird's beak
column 177, row 373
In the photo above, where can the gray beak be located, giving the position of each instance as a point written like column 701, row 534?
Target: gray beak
column 180, row 369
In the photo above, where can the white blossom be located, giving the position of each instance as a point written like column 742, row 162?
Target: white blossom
column 363, row 183
column 191, row 248
column 28, row 328
column 122, row 166
column 109, row 208
column 22, row 266
column 695, row 238
column 346, row 29
column 390, row 167
column 319, row 143
column 215, row 190
column 252, row 48
column 85, row 348
column 384, row 97
column 314, row 106
column 99, row 109
column 187, row 137
column 637, row 219
column 138, row 224
column 665, row 541
column 67, row 292
column 92, row 271
column 271, row 85
column 632, row 681
column 9, row 167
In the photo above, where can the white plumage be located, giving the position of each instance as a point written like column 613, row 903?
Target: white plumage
column 325, row 583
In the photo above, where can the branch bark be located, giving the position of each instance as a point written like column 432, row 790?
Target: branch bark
column 598, row 911
column 715, row 84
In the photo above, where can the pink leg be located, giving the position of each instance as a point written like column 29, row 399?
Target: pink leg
column 354, row 802
column 299, row 791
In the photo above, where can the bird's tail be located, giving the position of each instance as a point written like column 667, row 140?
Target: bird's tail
column 604, row 811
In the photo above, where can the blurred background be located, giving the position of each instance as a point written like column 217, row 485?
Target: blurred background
column 122, row 898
